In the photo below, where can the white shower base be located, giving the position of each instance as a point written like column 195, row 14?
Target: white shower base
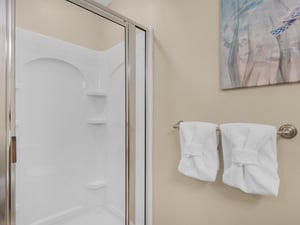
column 80, row 216
column 93, row 218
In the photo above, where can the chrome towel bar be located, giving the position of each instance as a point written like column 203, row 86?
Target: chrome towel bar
column 287, row 131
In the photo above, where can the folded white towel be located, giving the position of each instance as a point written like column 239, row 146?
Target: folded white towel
column 199, row 153
column 250, row 158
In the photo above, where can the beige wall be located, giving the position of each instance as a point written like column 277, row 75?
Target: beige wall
column 65, row 21
column 186, row 87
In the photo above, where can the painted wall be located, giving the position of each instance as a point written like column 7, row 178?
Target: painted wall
column 186, row 87
column 67, row 22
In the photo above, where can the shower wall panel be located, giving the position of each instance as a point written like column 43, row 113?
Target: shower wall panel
column 65, row 159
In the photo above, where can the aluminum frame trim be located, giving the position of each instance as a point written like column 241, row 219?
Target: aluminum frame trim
column 11, row 74
column 132, row 121
column 11, row 130
column 149, row 126
column 3, row 120
column 7, row 8
column 129, row 112
column 107, row 13
column 11, row 110
column 98, row 9
column 116, row 14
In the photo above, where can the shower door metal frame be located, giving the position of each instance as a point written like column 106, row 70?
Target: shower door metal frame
column 7, row 112
column 7, row 103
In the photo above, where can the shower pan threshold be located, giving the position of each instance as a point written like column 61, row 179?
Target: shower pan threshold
column 84, row 217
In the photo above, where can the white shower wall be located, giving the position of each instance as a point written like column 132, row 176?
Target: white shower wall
column 70, row 109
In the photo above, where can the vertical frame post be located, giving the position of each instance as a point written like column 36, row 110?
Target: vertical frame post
column 7, row 114
column 130, row 51
column 12, row 142
column 3, row 121
column 148, row 130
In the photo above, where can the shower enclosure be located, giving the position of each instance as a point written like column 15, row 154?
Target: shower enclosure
column 73, row 117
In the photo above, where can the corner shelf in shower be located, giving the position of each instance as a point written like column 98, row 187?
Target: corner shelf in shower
column 96, row 93
column 96, row 121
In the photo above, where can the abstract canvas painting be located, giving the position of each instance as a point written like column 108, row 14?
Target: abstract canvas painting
column 260, row 42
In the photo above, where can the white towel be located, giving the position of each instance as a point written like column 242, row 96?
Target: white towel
column 250, row 158
column 199, row 153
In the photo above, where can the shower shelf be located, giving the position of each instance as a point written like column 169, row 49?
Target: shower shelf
column 96, row 185
column 96, row 121
column 96, row 93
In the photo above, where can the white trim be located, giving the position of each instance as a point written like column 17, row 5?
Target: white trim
column 149, row 120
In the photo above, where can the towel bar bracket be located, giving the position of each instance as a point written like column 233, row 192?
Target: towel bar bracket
column 287, row 131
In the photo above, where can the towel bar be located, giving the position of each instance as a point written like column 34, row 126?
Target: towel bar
column 287, row 131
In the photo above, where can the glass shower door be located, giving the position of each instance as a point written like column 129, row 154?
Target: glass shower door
column 70, row 116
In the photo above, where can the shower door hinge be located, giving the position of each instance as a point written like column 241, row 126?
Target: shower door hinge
column 13, row 149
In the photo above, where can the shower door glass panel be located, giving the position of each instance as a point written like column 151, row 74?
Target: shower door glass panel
column 70, row 116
